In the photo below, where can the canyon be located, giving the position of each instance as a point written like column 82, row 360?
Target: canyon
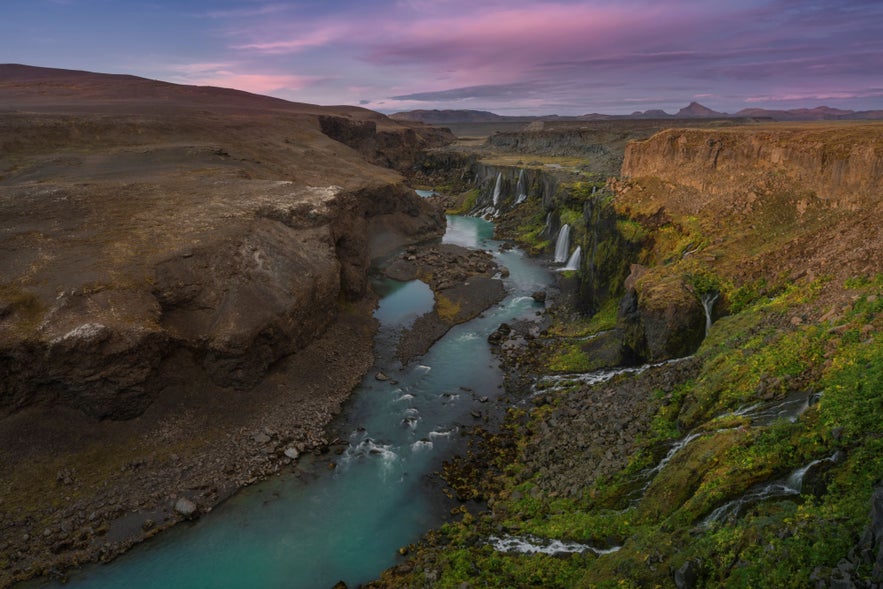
column 186, row 303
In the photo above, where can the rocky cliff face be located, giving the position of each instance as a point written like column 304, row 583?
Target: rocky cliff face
column 219, row 225
column 748, row 204
column 840, row 166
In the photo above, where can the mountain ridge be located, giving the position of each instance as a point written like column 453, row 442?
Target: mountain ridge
column 694, row 110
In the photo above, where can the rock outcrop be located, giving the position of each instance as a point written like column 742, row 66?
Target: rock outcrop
column 660, row 317
column 840, row 166
column 132, row 237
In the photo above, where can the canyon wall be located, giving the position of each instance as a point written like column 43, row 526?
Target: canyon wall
column 841, row 166
column 145, row 221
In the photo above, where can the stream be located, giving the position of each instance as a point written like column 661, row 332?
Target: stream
column 320, row 525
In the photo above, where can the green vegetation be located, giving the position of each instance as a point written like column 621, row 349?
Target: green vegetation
column 752, row 356
column 467, row 202
column 446, row 308
column 775, row 339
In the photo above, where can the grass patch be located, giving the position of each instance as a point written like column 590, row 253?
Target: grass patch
column 467, row 202
column 446, row 308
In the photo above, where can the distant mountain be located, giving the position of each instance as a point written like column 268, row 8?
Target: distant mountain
column 694, row 110
column 443, row 117
column 819, row 113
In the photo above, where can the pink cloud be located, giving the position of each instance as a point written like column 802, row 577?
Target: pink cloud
column 257, row 83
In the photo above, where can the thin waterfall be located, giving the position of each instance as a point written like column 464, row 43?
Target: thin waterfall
column 793, row 485
column 520, row 191
column 573, row 261
column 562, row 246
column 497, row 187
column 708, row 299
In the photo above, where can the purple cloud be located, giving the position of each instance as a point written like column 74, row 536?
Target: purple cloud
column 509, row 56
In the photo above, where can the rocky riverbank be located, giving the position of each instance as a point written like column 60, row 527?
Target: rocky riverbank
column 464, row 284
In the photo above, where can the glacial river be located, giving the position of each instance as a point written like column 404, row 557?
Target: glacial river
column 317, row 526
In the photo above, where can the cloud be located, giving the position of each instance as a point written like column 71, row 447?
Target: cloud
column 226, row 75
column 495, row 91
column 246, row 12
column 876, row 93
column 295, row 42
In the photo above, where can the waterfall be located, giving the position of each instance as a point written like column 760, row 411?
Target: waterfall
column 548, row 226
column 533, row 545
column 573, row 261
column 708, row 299
column 521, row 193
column 793, row 485
column 497, row 187
column 562, row 246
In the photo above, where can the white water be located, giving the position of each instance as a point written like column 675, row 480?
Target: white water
column 790, row 408
column 708, row 299
column 558, row 382
column 562, row 245
column 496, row 199
column 676, row 447
column 792, row 485
column 573, row 261
column 520, row 191
column 535, row 545
column 315, row 526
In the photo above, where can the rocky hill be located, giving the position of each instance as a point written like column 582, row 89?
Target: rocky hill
column 173, row 257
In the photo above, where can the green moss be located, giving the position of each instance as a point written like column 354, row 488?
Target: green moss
column 467, row 202
column 570, row 357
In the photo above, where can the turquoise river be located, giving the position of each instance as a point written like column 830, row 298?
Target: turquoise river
column 316, row 526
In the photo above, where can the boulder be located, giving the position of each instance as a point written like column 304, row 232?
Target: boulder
column 186, row 508
column 661, row 318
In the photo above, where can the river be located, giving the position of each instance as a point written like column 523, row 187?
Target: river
column 320, row 524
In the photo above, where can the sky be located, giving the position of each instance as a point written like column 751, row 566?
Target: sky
column 512, row 57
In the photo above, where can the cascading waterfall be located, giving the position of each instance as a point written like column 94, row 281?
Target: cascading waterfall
column 548, row 225
column 573, row 261
column 497, row 188
column 562, row 246
column 793, row 485
column 520, row 191
column 708, row 299
column 535, row 545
